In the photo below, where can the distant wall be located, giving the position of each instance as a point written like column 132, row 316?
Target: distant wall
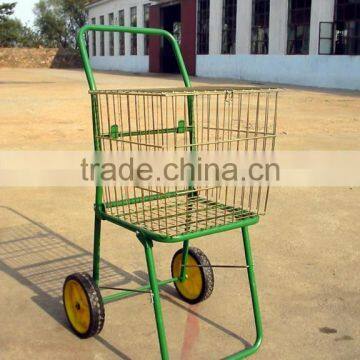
column 130, row 63
column 39, row 58
column 328, row 71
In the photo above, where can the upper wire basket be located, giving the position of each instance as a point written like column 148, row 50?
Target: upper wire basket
column 215, row 119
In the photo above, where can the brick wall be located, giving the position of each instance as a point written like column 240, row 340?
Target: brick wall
column 39, row 58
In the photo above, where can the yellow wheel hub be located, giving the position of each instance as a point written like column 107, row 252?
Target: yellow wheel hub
column 192, row 287
column 77, row 306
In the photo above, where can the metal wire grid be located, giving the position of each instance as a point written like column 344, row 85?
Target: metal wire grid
column 184, row 211
column 224, row 119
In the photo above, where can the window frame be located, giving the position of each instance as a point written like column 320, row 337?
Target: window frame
column 346, row 17
column 296, row 25
column 111, row 19
column 93, row 39
column 265, row 27
column 121, row 21
column 146, row 24
column 326, row 38
column 203, row 21
column 133, row 37
column 229, row 7
column 102, row 36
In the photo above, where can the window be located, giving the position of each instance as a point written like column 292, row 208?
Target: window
column 260, row 27
column 133, row 23
column 177, row 31
column 102, row 37
column 111, row 36
column 326, row 38
column 146, row 25
column 203, row 27
column 93, row 38
column 299, row 27
column 228, row 43
column 121, row 35
column 347, row 27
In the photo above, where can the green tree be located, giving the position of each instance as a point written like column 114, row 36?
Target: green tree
column 6, row 10
column 30, row 38
column 10, row 29
column 76, row 15
column 13, row 32
column 51, row 23
column 10, row 32
column 59, row 20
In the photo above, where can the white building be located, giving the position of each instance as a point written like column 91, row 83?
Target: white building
column 303, row 42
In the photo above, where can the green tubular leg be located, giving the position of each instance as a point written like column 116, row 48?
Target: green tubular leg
column 96, row 254
column 255, row 301
column 148, row 245
column 184, row 260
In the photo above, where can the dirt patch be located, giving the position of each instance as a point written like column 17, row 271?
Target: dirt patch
column 327, row 330
column 39, row 58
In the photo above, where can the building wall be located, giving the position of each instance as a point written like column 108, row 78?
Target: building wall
column 154, row 41
column 131, row 63
column 278, row 27
column 314, row 70
column 188, row 41
column 322, row 10
column 328, row 71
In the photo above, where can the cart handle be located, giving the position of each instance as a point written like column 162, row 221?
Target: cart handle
column 132, row 30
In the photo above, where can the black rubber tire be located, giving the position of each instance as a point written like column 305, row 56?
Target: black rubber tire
column 207, row 275
column 95, row 302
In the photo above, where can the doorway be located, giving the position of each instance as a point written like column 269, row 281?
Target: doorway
column 171, row 21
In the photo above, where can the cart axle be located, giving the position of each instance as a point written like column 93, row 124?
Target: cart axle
column 218, row 266
column 124, row 293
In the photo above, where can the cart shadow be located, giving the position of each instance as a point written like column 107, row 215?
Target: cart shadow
column 167, row 290
column 37, row 257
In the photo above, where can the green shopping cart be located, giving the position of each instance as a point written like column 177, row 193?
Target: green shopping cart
column 181, row 119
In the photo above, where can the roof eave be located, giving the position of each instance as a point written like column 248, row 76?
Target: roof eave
column 96, row 3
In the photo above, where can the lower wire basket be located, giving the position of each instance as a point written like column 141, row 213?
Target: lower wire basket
column 179, row 212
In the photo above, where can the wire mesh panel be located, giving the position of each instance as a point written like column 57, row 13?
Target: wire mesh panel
column 196, row 119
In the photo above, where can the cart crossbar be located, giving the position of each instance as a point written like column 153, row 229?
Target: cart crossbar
column 127, row 293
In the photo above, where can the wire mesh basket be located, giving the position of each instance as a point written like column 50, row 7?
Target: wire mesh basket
column 195, row 119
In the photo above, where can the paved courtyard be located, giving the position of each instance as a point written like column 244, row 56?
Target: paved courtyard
column 306, row 249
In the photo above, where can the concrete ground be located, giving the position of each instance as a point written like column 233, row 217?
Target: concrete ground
column 307, row 249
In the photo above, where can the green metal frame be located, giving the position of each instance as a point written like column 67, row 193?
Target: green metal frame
column 147, row 237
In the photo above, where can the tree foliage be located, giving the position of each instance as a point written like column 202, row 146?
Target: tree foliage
column 56, row 24
column 51, row 23
column 10, row 29
column 59, row 20
column 10, row 32
column 6, row 10
column 13, row 32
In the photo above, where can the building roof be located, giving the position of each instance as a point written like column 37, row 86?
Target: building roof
column 92, row 3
